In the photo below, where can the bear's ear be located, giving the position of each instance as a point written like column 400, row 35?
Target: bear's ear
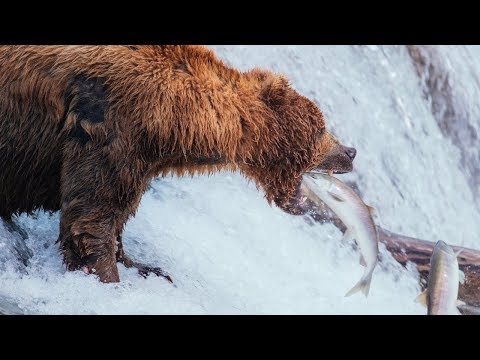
column 273, row 90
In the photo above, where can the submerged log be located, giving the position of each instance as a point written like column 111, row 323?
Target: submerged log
column 406, row 249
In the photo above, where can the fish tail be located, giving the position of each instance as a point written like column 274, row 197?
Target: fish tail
column 363, row 285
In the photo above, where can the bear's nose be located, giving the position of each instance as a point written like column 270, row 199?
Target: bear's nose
column 351, row 152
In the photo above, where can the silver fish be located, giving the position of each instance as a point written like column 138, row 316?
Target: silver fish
column 441, row 293
column 353, row 212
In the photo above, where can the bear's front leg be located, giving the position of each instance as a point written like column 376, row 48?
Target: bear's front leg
column 99, row 193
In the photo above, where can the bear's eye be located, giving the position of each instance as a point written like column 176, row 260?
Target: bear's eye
column 320, row 132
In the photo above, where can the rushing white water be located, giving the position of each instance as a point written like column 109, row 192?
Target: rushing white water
column 229, row 252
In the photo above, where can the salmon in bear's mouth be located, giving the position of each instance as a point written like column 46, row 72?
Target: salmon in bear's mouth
column 339, row 163
column 296, row 205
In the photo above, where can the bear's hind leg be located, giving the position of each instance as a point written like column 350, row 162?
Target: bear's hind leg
column 143, row 270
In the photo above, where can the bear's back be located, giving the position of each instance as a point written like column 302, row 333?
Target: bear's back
column 35, row 95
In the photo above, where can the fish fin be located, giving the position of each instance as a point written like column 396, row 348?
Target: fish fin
column 371, row 210
column 347, row 235
column 461, row 303
column 459, row 252
column 461, row 276
column 422, row 298
column 362, row 261
column 336, row 197
column 363, row 285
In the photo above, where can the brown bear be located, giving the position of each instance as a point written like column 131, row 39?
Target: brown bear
column 83, row 129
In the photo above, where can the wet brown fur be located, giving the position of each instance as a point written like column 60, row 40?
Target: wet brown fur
column 83, row 129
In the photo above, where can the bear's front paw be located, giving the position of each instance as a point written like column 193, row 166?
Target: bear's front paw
column 105, row 267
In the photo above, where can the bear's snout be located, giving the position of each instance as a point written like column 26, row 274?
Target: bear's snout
column 339, row 160
column 351, row 152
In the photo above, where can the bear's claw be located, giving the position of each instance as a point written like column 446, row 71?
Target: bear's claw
column 144, row 270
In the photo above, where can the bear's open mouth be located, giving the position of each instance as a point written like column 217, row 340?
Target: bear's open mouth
column 297, row 204
column 329, row 172
column 339, row 161
column 342, row 168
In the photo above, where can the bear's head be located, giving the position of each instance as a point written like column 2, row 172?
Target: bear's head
column 291, row 140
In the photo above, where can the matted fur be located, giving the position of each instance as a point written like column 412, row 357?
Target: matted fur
column 83, row 129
